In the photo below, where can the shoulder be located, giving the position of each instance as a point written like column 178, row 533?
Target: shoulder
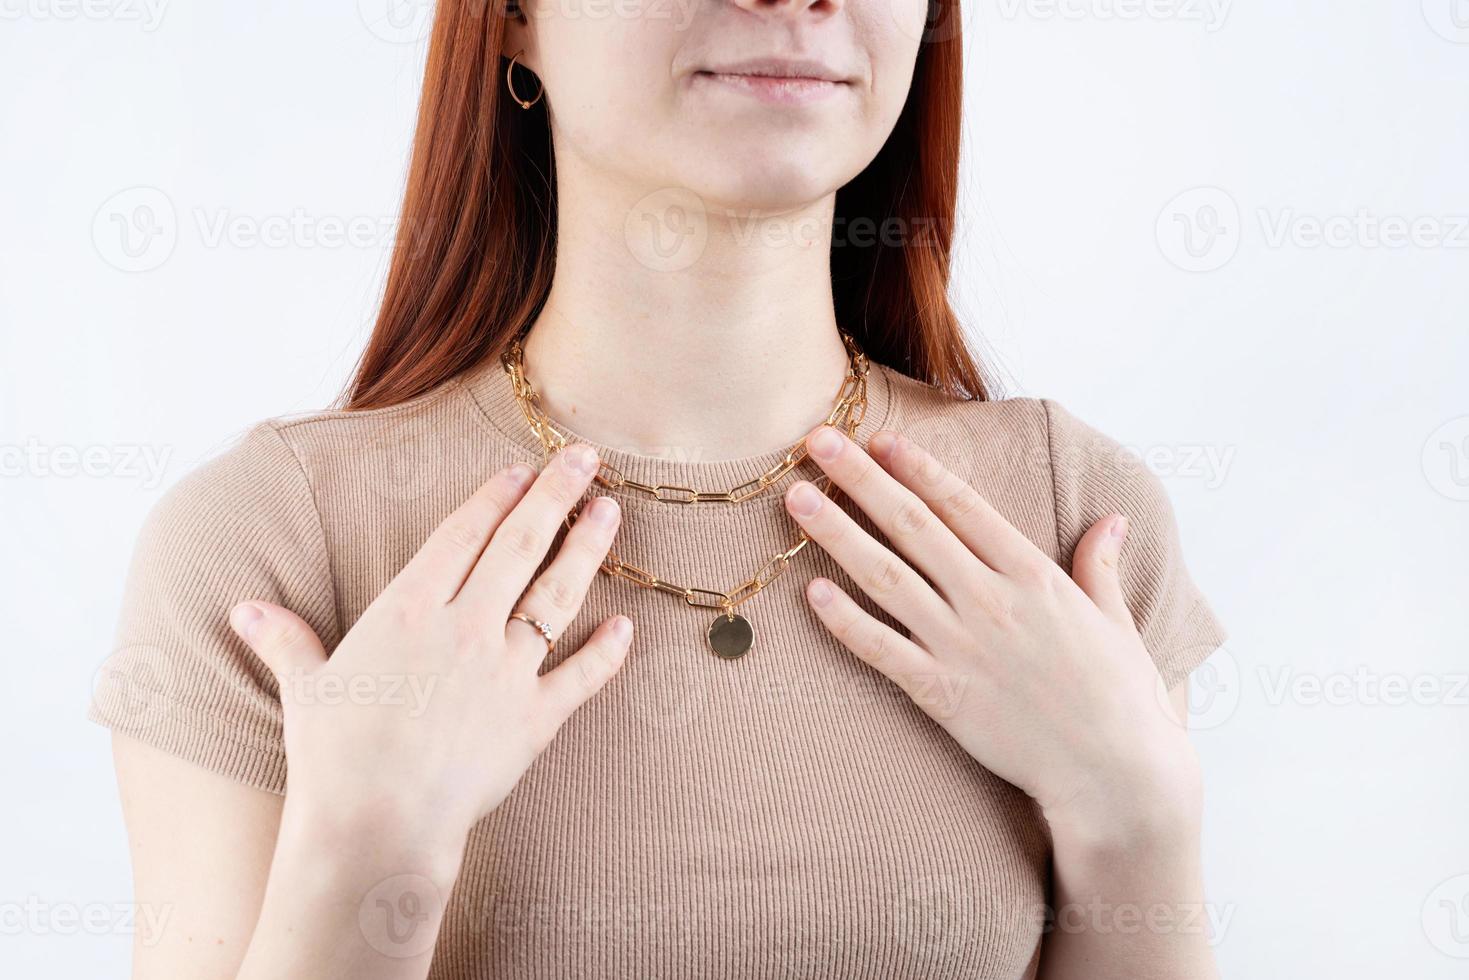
column 325, row 461
column 965, row 433
column 1035, row 443
column 1034, row 446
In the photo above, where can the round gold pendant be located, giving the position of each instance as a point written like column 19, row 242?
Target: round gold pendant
column 731, row 636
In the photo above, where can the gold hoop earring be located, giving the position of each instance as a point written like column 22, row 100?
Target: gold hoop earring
column 510, row 83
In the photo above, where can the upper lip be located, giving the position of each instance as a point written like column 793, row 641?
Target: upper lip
column 779, row 68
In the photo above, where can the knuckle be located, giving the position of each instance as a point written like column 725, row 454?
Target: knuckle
column 880, row 650
column 970, row 592
column 469, row 635
column 861, row 474
column 524, row 542
column 542, row 732
column 882, row 577
column 929, row 472
column 461, row 535
column 912, row 519
column 594, row 668
column 278, row 635
column 592, row 547
column 963, row 502
column 1002, row 609
column 565, row 489
column 408, row 606
column 1035, row 572
column 556, row 592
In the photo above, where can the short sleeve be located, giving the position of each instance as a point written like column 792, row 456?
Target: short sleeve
column 242, row 526
column 1094, row 475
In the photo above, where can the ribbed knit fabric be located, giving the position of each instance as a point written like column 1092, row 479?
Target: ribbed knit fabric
column 789, row 814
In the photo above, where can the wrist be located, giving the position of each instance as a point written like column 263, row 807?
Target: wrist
column 382, row 841
column 1152, row 807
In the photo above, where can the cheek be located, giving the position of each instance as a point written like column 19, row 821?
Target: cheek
column 908, row 20
column 894, row 54
column 891, row 34
column 608, row 71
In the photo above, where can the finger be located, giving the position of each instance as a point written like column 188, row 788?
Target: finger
column 557, row 594
column 1094, row 567
column 891, row 582
column 873, row 642
column 445, row 559
column 907, row 521
column 588, row 670
column 521, row 542
column 981, row 529
column 283, row 641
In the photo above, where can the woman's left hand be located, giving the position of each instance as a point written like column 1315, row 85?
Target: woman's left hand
column 1041, row 677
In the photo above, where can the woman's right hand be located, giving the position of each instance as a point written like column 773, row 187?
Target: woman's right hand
column 431, row 708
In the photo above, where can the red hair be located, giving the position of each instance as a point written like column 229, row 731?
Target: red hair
column 476, row 241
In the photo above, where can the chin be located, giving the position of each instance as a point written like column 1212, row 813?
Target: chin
column 741, row 179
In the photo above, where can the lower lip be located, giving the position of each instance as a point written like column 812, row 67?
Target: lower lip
column 779, row 91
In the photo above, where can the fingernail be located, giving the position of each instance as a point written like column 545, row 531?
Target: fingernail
column 825, row 444
column 521, row 474
column 1119, row 527
column 820, row 592
column 604, row 510
column 805, row 499
column 582, row 458
column 244, row 618
column 622, row 629
column 882, row 444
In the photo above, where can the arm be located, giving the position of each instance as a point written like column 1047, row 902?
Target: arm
column 216, row 874
column 1131, row 905
column 347, row 876
column 200, row 844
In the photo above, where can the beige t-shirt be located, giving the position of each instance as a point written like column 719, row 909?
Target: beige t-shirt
column 788, row 814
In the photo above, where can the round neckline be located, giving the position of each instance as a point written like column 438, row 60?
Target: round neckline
column 490, row 387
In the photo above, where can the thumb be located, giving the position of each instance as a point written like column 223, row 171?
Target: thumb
column 279, row 637
column 1094, row 567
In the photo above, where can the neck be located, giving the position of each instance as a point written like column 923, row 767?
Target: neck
column 727, row 352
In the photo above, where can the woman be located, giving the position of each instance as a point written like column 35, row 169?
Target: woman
column 649, row 251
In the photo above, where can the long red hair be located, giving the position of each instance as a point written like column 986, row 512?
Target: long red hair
column 476, row 242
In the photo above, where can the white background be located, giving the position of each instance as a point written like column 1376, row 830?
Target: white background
column 1306, row 402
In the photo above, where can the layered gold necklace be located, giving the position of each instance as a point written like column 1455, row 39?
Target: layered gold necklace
column 731, row 635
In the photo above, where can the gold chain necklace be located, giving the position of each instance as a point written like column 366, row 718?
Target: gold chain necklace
column 730, row 635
